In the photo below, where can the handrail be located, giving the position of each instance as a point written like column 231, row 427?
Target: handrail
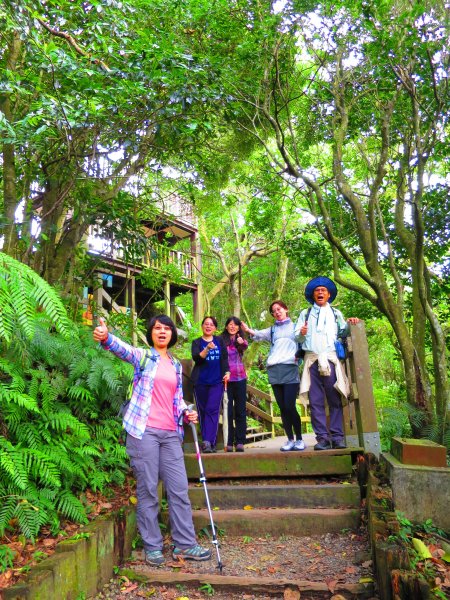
column 268, row 419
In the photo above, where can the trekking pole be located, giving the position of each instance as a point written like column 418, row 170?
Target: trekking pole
column 225, row 416
column 203, row 481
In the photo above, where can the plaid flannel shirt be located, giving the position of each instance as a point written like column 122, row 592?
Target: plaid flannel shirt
column 135, row 419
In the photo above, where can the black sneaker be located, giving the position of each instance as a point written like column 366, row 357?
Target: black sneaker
column 323, row 445
column 339, row 445
column 206, row 448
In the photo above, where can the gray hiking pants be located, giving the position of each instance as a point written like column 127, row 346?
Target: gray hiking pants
column 159, row 455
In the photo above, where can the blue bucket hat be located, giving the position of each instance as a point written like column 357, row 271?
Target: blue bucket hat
column 320, row 281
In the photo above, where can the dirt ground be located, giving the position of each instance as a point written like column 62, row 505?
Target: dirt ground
column 332, row 559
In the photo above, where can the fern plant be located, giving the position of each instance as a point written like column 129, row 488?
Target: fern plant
column 59, row 396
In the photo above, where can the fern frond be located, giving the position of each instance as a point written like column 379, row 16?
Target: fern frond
column 65, row 421
column 12, row 463
column 71, row 507
column 98, row 480
column 30, row 518
column 24, row 400
column 7, row 507
column 19, row 284
column 41, row 468
column 70, row 469
column 78, row 392
column 28, row 435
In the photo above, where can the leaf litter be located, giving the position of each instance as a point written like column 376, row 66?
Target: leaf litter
column 334, row 559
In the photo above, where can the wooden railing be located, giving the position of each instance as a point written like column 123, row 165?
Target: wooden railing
column 267, row 419
column 158, row 257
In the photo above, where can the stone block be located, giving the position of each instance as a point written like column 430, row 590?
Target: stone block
column 418, row 452
column 420, row 492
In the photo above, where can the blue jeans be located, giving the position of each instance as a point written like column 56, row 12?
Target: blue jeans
column 159, row 455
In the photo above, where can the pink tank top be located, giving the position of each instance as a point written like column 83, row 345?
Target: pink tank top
column 164, row 388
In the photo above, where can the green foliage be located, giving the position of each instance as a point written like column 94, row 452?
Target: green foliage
column 21, row 292
column 207, row 588
column 6, row 558
column 59, row 397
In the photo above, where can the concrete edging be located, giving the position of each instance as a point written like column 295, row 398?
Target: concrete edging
column 81, row 565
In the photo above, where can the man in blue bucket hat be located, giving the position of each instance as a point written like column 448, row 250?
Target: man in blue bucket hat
column 317, row 329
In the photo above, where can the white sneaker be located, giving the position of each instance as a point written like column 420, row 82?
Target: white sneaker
column 299, row 445
column 289, row 445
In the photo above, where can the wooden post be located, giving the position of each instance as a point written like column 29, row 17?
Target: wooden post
column 271, row 414
column 131, row 293
column 98, row 295
column 350, row 425
column 197, row 293
column 167, row 298
column 364, row 402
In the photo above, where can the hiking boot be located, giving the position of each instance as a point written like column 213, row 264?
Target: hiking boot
column 154, row 558
column 289, row 445
column 299, row 445
column 206, row 448
column 229, row 449
column 240, row 448
column 338, row 444
column 322, row 445
column 194, row 553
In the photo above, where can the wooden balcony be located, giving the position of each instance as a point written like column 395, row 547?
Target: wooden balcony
column 157, row 257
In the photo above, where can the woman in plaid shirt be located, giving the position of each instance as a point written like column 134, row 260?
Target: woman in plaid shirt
column 153, row 422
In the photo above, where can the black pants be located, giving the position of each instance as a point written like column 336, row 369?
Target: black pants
column 286, row 396
column 237, row 412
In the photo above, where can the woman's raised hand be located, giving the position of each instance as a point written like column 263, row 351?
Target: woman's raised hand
column 100, row 333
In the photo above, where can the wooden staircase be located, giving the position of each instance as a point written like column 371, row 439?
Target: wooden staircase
column 298, row 507
column 270, row 494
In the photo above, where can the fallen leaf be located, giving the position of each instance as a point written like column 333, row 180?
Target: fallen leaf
column 267, row 557
column 248, row 507
column 291, row 594
column 49, row 542
column 272, row 569
column 365, row 580
column 350, row 570
column 421, row 548
column 252, row 568
column 366, row 564
column 133, row 500
column 129, row 588
column 331, row 583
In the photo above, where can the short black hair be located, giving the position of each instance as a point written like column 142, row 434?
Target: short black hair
column 164, row 320
column 213, row 319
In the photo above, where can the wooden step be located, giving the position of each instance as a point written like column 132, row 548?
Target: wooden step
column 248, row 586
column 325, row 495
column 266, row 464
column 277, row 521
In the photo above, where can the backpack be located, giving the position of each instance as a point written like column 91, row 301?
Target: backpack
column 136, row 378
column 340, row 344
